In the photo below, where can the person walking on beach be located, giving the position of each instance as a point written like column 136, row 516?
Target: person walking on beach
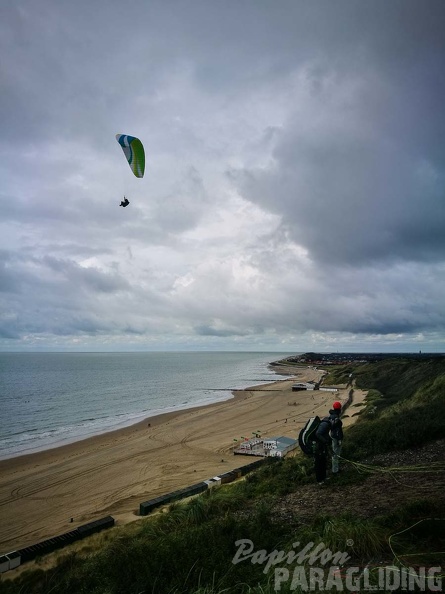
column 329, row 433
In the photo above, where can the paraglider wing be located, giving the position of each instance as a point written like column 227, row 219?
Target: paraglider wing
column 134, row 152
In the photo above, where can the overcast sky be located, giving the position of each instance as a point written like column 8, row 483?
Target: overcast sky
column 294, row 194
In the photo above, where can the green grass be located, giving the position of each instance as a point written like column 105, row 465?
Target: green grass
column 189, row 548
column 408, row 423
column 398, row 379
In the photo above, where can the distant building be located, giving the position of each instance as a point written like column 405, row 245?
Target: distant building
column 250, row 444
column 272, row 446
column 304, row 386
column 279, row 446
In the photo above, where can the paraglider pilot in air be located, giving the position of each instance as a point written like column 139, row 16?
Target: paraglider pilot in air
column 135, row 155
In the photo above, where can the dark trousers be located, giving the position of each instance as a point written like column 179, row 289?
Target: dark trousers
column 321, row 453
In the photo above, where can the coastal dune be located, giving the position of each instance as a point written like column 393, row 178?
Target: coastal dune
column 51, row 492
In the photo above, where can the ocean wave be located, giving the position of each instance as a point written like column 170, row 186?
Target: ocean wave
column 92, row 395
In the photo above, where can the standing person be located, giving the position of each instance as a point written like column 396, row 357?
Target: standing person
column 336, row 435
column 322, row 439
column 329, row 433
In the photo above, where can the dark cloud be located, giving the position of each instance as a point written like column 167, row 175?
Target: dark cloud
column 355, row 180
column 208, row 330
column 295, row 174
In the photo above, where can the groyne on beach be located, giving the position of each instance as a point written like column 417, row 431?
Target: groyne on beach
column 111, row 474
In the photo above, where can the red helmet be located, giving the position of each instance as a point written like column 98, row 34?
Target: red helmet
column 336, row 406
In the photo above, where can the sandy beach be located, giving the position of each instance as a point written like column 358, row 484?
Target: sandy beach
column 111, row 474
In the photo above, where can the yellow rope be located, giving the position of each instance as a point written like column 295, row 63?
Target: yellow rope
column 431, row 467
column 398, row 557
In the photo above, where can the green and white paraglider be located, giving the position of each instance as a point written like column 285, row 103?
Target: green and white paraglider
column 135, row 155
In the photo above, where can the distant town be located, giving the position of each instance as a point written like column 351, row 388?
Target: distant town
column 346, row 358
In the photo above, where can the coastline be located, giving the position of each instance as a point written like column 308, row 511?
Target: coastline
column 129, row 425
column 111, row 473
column 151, row 380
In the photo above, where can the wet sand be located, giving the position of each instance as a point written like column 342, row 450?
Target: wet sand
column 110, row 474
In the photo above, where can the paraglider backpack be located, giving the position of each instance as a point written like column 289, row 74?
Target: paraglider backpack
column 306, row 437
column 336, row 427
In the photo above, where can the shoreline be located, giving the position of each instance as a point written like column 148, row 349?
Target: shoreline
column 124, row 425
column 141, row 417
column 46, row 493
column 97, row 438
column 150, row 418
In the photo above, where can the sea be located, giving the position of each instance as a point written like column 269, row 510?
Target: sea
column 51, row 399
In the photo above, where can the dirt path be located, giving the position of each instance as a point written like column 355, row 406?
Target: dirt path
column 377, row 494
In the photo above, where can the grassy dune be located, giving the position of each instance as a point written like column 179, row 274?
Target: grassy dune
column 388, row 502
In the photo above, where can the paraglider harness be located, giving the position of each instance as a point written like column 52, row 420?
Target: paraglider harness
column 307, row 439
column 125, row 202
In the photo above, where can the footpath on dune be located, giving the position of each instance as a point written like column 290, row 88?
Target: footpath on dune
column 381, row 485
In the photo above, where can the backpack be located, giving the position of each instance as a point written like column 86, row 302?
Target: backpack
column 336, row 427
column 307, row 435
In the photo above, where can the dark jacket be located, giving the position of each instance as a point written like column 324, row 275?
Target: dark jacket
column 330, row 426
column 322, row 433
column 336, row 425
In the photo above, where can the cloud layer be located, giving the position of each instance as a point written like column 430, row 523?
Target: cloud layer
column 294, row 191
